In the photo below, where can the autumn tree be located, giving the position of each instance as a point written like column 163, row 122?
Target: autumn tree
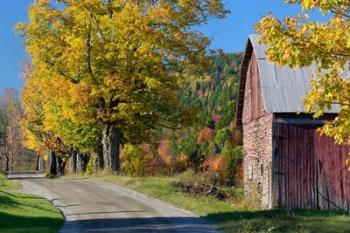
column 121, row 60
column 32, row 122
column 10, row 132
column 300, row 41
column 46, row 129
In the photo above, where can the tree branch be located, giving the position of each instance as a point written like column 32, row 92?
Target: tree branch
column 88, row 53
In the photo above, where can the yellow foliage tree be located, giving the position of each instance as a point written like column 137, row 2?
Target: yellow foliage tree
column 300, row 41
column 119, row 61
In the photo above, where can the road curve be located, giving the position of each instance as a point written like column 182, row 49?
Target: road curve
column 94, row 206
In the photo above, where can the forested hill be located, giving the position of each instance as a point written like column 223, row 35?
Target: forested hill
column 216, row 94
column 211, row 143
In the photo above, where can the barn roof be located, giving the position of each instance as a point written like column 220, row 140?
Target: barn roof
column 283, row 88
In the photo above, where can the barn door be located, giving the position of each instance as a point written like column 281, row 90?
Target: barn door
column 293, row 168
column 309, row 171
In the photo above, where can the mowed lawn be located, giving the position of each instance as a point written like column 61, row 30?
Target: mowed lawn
column 232, row 216
column 21, row 213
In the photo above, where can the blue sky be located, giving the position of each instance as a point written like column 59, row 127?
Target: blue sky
column 229, row 34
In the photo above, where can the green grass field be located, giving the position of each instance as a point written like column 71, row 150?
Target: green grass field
column 22, row 213
column 233, row 216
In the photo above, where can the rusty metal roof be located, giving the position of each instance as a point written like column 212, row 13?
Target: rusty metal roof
column 283, row 88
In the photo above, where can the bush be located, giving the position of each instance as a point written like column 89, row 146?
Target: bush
column 221, row 137
column 252, row 199
column 225, row 169
column 234, row 159
column 214, row 164
column 134, row 161
column 195, row 152
column 172, row 166
column 181, row 163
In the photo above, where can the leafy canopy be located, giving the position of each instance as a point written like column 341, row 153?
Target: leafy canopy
column 111, row 62
column 298, row 41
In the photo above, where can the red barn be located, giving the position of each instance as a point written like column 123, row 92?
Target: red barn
column 290, row 163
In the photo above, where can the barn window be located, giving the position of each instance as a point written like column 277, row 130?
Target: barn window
column 261, row 169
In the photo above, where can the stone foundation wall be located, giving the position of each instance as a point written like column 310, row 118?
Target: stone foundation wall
column 257, row 163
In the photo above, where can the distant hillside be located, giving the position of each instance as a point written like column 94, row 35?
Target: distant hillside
column 216, row 94
column 212, row 142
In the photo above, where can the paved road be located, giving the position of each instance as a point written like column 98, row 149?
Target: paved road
column 94, row 206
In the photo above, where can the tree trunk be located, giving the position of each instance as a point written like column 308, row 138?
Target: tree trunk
column 57, row 165
column 82, row 162
column 39, row 164
column 98, row 159
column 52, row 163
column 73, row 163
column 61, row 166
column 7, row 163
column 79, row 163
column 86, row 159
column 111, row 139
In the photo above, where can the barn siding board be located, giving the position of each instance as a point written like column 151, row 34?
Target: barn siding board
column 310, row 170
column 331, row 166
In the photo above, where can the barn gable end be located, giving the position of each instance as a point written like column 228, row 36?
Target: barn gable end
column 257, row 135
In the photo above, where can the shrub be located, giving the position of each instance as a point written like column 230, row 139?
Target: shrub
column 154, row 160
column 221, row 137
column 181, row 162
column 234, row 158
column 172, row 166
column 174, row 149
column 205, row 135
column 252, row 199
column 134, row 160
column 214, row 164
column 225, row 169
column 213, row 167
column 194, row 152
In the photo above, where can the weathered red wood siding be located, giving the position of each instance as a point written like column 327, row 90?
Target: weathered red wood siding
column 253, row 107
column 309, row 170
